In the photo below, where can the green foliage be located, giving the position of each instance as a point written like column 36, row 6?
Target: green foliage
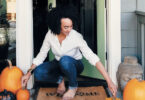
column 3, row 15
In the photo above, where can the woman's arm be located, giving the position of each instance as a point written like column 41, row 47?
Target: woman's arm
column 86, row 51
column 26, row 77
column 43, row 51
column 38, row 60
column 111, row 85
column 95, row 60
column 33, row 66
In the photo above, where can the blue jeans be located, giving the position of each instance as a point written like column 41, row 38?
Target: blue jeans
column 54, row 71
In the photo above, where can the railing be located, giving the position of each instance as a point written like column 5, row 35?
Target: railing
column 141, row 38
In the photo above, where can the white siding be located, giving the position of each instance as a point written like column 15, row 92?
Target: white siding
column 141, row 5
column 128, row 28
column 128, row 5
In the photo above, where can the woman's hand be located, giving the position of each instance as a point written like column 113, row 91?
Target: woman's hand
column 25, row 79
column 111, row 85
column 113, row 88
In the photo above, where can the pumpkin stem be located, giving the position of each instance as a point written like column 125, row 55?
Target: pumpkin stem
column 10, row 63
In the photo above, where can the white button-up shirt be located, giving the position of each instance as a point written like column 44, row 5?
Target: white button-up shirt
column 73, row 45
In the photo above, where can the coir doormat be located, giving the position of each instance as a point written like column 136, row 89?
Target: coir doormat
column 83, row 93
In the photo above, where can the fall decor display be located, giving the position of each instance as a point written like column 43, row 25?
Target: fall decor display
column 23, row 94
column 134, row 90
column 10, row 78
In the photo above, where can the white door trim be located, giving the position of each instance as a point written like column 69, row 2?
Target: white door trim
column 113, row 37
column 24, row 36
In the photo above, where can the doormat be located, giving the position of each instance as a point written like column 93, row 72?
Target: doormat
column 83, row 93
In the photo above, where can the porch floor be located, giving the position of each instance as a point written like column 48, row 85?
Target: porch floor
column 33, row 94
column 83, row 81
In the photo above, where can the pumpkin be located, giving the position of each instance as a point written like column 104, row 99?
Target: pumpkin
column 134, row 90
column 0, row 81
column 23, row 94
column 10, row 78
column 0, row 88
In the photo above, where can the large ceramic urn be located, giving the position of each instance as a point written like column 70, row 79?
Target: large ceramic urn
column 128, row 70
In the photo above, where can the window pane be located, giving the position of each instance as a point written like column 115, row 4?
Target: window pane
column 7, row 31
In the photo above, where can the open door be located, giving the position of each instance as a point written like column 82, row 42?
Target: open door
column 97, row 13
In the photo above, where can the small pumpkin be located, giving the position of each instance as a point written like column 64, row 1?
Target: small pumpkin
column 10, row 79
column 134, row 90
column 23, row 94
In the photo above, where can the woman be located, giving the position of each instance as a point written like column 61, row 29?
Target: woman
column 68, row 46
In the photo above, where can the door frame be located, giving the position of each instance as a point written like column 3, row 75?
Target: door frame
column 113, row 8
column 24, row 28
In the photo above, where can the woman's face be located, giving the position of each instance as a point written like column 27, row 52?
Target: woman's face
column 66, row 25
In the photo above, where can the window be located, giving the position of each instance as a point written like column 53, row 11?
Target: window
column 8, row 30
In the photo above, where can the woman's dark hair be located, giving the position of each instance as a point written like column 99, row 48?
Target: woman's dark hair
column 56, row 14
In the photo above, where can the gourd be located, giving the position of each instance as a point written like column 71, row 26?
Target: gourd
column 23, row 94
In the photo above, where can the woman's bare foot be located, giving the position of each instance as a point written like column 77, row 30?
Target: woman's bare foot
column 69, row 94
column 61, row 88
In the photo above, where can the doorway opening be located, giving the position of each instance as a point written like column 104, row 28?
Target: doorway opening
column 87, row 26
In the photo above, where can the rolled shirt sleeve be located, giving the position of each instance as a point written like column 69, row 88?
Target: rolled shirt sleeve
column 87, row 52
column 43, row 51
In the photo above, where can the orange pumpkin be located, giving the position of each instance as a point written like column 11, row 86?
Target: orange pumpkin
column 23, row 94
column 0, row 88
column 134, row 90
column 0, row 81
column 11, row 78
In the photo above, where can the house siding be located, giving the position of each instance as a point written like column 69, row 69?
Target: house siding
column 141, row 5
column 128, row 28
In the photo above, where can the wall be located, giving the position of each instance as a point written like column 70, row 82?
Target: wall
column 128, row 28
column 141, row 5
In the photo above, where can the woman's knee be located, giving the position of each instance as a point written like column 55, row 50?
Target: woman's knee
column 65, row 62
column 37, row 73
